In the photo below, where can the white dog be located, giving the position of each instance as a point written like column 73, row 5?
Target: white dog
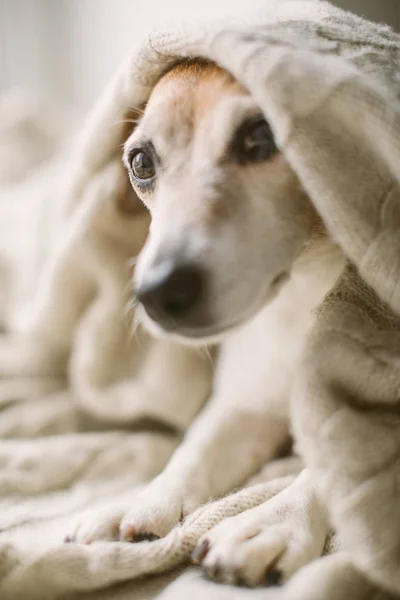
column 236, row 255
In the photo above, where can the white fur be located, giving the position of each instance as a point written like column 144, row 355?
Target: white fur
column 246, row 419
column 270, row 542
column 243, row 425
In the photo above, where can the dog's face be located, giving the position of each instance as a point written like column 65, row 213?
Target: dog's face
column 229, row 217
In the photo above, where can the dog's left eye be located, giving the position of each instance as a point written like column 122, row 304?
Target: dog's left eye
column 142, row 166
column 254, row 141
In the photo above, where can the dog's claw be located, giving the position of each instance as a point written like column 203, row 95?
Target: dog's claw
column 215, row 571
column 273, row 577
column 146, row 537
column 128, row 534
column 200, row 552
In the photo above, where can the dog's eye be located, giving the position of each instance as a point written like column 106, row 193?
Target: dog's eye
column 254, row 141
column 142, row 165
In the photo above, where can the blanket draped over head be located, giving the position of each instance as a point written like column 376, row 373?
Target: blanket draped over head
column 329, row 85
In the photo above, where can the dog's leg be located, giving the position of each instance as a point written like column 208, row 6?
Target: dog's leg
column 243, row 425
column 221, row 449
column 267, row 544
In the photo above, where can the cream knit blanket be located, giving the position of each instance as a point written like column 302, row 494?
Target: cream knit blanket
column 329, row 84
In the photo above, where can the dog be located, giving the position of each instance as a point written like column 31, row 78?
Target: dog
column 235, row 256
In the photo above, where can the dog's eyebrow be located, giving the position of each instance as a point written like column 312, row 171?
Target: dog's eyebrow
column 233, row 113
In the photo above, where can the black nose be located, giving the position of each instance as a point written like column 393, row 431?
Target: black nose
column 175, row 295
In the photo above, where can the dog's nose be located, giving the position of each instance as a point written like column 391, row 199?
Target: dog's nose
column 174, row 295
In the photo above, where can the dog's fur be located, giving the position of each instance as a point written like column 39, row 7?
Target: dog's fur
column 236, row 220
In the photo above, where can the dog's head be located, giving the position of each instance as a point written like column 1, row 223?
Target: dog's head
column 229, row 217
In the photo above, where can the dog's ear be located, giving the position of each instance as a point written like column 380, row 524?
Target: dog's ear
column 128, row 202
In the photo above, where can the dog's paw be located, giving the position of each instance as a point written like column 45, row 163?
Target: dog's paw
column 97, row 524
column 267, row 544
column 156, row 511
column 147, row 516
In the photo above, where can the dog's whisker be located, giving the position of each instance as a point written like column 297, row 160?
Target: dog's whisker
column 129, row 309
column 136, row 109
column 136, row 328
column 131, row 314
column 125, row 121
column 205, row 350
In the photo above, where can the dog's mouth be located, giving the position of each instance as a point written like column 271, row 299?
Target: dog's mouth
column 206, row 329
column 193, row 335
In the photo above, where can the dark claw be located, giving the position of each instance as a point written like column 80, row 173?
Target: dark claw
column 239, row 578
column 215, row 571
column 128, row 534
column 68, row 539
column 200, row 552
column 145, row 537
column 273, row 577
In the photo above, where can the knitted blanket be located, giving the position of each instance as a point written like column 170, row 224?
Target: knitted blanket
column 328, row 83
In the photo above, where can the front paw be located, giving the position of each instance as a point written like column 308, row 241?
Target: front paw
column 153, row 515
column 147, row 516
column 267, row 544
column 98, row 524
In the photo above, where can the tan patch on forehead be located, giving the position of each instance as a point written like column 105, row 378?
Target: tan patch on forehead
column 180, row 104
column 194, row 87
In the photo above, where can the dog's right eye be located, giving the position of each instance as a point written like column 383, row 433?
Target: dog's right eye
column 254, row 141
column 142, row 166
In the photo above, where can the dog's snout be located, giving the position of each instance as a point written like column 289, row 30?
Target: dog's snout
column 174, row 295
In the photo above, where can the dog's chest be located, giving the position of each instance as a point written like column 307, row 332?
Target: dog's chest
column 260, row 358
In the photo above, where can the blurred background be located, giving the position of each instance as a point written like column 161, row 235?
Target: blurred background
column 70, row 48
